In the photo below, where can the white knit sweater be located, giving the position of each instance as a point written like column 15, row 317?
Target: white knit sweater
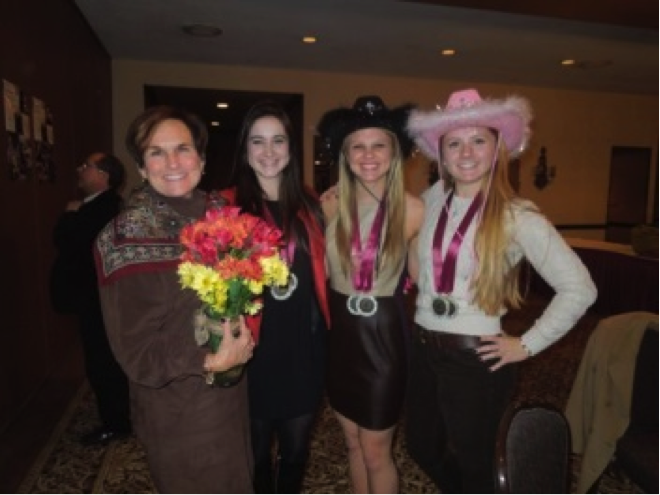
column 534, row 238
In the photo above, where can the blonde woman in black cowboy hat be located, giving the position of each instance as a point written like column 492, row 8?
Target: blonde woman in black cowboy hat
column 475, row 235
column 370, row 224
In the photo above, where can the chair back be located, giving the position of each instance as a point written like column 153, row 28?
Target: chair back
column 644, row 404
column 532, row 451
column 637, row 450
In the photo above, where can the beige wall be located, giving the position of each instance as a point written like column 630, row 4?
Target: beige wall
column 577, row 128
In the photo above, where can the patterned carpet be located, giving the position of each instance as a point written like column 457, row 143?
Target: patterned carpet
column 67, row 467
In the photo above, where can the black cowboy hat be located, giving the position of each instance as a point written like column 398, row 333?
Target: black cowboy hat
column 367, row 112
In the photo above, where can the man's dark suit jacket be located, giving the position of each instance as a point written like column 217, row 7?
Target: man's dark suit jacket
column 73, row 275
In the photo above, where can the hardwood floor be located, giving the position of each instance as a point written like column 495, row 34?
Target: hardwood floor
column 23, row 440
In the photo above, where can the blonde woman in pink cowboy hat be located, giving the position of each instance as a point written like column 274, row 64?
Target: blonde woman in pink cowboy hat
column 370, row 224
column 476, row 233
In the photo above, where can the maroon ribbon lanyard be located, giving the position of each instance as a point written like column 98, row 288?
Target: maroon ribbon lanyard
column 287, row 251
column 444, row 271
column 363, row 277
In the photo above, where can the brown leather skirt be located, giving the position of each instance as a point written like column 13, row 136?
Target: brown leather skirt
column 367, row 367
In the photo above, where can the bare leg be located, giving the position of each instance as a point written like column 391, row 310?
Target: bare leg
column 371, row 464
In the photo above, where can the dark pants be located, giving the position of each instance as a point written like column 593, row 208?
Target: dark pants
column 453, row 408
column 293, row 438
column 105, row 376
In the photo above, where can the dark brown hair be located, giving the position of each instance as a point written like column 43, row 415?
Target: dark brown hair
column 141, row 129
column 293, row 196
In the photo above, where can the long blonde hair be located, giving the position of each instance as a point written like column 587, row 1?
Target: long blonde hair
column 393, row 245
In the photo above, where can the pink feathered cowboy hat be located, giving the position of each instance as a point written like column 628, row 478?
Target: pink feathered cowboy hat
column 510, row 117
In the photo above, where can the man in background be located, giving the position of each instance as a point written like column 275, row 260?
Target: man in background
column 74, row 289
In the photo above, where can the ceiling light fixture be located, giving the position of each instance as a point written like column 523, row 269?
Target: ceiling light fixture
column 222, row 105
column 449, row 52
column 310, row 40
column 201, row 30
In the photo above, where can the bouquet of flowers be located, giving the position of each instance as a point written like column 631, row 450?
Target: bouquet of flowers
column 227, row 260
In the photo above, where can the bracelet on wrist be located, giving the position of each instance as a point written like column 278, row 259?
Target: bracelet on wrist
column 526, row 349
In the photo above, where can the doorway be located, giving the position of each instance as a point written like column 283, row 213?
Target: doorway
column 627, row 200
column 224, row 124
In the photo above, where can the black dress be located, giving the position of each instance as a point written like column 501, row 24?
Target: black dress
column 286, row 373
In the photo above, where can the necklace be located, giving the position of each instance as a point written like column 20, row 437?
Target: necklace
column 371, row 193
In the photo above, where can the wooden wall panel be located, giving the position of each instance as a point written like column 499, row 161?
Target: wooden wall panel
column 49, row 52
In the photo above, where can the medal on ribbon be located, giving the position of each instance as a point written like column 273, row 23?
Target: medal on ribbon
column 287, row 253
column 282, row 293
column 444, row 271
column 444, row 305
column 351, row 304
column 362, row 305
column 367, row 305
column 363, row 274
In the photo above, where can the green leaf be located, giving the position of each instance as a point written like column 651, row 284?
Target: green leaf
column 214, row 342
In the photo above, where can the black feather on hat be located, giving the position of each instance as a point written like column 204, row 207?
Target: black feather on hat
column 367, row 112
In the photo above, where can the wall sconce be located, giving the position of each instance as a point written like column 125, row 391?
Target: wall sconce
column 543, row 174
